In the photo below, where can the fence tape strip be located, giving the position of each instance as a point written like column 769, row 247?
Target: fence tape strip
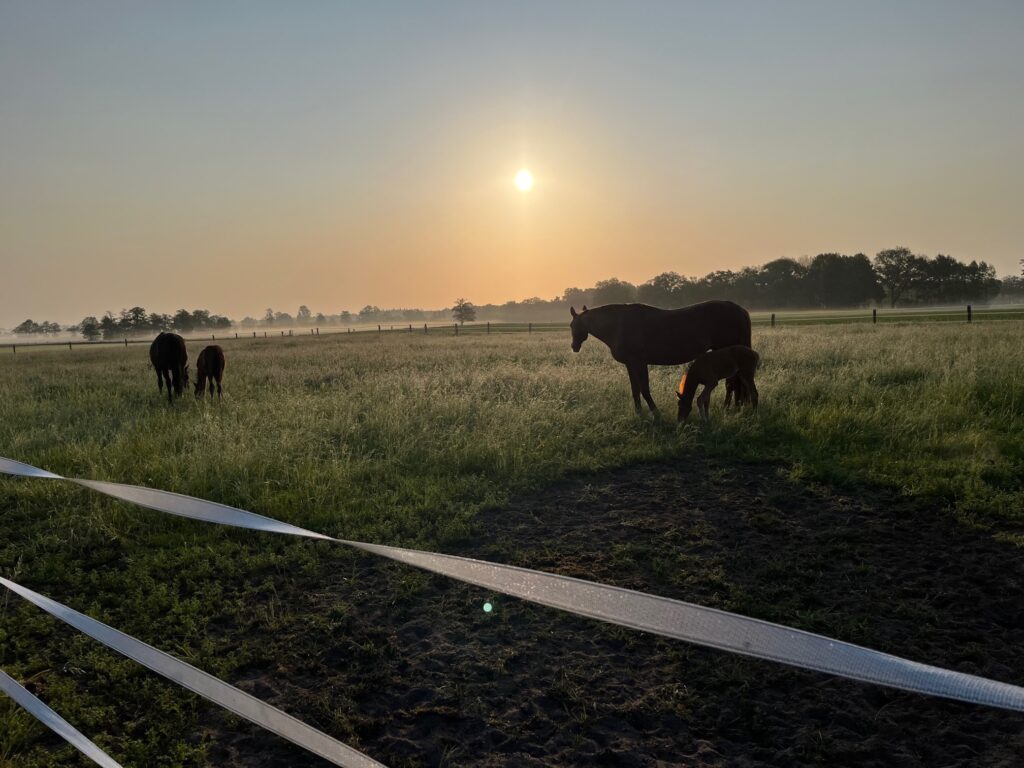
column 638, row 610
column 54, row 722
column 203, row 684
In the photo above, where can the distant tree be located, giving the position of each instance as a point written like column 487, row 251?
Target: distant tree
column 247, row 322
column 614, row 291
column 835, row 280
column 662, row 290
column 158, row 322
column 577, row 297
column 27, row 327
column 283, row 318
column 89, row 328
column 345, row 316
column 321, row 318
column 368, row 313
column 268, row 317
column 183, row 321
column 897, row 270
column 463, row 311
column 108, row 325
column 782, row 283
column 303, row 316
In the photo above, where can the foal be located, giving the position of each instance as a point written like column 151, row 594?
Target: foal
column 710, row 368
column 209, row 367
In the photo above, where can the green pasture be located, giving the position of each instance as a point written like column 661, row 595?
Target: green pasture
column 402, row 438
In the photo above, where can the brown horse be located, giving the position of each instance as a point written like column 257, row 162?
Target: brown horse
column 708, row 369
column 209, row 367
column 169, row 357
column 639, row 336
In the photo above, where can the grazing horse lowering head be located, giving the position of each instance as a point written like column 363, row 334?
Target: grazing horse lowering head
column 578, row 326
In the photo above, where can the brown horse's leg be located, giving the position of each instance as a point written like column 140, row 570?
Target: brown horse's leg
column 159, row 381
column 634, row 384
column 219, row 397
column 167, row 380
column 643, row 379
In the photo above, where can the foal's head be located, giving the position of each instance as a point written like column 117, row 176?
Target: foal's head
column 685, row 400
column 578, row 328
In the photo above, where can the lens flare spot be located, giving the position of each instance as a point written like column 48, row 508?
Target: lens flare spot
column 488, row 607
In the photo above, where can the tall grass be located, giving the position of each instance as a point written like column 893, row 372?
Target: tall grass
column 402, row 439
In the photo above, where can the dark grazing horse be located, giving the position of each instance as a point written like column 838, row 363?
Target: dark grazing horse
column 170, row 359
column 209, row 367
column 639, row 336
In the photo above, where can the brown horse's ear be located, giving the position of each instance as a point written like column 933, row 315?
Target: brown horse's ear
column 584, row 307
column 572, row 311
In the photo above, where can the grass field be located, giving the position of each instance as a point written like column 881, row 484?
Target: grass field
column 407, row 439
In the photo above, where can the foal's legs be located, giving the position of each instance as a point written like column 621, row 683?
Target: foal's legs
column 704, row 402
column 748, row 382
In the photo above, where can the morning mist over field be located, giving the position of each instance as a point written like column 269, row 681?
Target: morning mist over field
column 334, row 156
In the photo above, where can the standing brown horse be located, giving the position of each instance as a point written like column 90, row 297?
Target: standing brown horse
column 170, row 359
column 209, row 367
column 639, row 336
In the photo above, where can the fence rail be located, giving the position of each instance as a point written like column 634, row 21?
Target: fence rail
column 966, row 313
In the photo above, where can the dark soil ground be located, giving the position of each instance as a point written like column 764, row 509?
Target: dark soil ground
column 408, row 667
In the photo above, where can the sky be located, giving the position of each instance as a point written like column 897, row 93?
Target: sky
column 236, row 156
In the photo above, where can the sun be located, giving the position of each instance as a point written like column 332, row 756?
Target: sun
column 524, row 180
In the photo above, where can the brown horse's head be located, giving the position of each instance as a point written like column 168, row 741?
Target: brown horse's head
column 578, row 326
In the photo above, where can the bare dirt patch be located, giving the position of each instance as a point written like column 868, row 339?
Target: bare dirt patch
column 409, row 668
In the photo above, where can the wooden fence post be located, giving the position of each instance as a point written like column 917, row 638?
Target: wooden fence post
column 874, row 316
column 773, row 319
column 69, row 347
column 488, row 327
column 264, row 334
column 126, row 342
column 968, row 313
column 424, row 328
column 378, row 329
column 529, row 328
column 456, row 329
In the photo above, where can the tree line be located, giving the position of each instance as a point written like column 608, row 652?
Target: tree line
column 896, row 276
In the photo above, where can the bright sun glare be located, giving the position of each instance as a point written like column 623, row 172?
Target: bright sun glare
column 524, row 180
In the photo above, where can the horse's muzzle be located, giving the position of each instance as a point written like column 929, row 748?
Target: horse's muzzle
column 576, row 347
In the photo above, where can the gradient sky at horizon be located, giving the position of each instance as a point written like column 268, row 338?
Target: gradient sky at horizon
column 238, row 156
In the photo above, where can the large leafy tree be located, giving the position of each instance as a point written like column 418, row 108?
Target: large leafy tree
column 897, row 270
column 463, row 311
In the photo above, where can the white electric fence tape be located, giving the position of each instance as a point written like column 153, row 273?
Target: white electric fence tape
column 54, row 722
column 197, row 681
column 638, row 610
